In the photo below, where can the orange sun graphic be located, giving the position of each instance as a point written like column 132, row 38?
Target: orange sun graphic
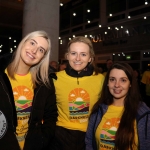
column 78, row 94
column 22, row 93
column 111, row 123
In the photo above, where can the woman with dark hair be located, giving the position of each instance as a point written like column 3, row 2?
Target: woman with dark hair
column 119, row 120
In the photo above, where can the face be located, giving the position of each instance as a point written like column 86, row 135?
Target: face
column 79, row 56
column 33, row 51
column 118, row 85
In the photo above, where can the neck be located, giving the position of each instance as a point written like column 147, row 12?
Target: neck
column 22, row 69
column 117, row 102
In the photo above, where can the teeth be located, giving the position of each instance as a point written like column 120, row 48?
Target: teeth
column 30, row 56
column 77, row 63
column 116, row 91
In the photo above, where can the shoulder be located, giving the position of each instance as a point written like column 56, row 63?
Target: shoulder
column 4, row 61
column 143, row 110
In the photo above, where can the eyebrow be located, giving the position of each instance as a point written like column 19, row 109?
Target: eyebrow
column 37, row 43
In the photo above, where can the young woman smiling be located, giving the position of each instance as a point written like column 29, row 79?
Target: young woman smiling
column 28, row 102
column 78, row 87
column 119, row 120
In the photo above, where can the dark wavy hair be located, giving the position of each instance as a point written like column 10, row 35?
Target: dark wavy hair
column 124, row 139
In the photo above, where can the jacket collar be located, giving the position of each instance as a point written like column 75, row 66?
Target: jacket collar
column 87, row 71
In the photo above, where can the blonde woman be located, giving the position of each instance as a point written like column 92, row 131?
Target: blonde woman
column 28, row 104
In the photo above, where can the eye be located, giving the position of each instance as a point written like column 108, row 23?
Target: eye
column 83, row 54
column 41, row 50
column 72, row 53
column 32, row 43
column 123, row 80
column 111, row 79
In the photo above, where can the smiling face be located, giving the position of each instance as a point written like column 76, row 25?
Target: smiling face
column 33, row 51
column 118, row 85
column 79, row 56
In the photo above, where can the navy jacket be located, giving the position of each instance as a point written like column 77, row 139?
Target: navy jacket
column 143, row 127
column 42, row 119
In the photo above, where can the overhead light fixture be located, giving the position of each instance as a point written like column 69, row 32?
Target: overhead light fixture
column 129, row 17
column 110, row 15
column 144, row 17
column 146, row 3
column 100, row 26
column 61, row 4
column 74, row 14
column 88, row 10
column 88, row 21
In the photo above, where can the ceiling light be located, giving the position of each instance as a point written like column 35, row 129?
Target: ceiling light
column 61, row 4
column 74, row 14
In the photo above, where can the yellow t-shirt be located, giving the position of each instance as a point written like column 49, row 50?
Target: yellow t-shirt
column 146, row 80
column 23, row 95
column 75, row 99
column 106, row 130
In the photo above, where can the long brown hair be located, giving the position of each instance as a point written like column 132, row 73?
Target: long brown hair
column 125, row 135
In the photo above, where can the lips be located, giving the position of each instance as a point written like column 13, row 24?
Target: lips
column 28, row 54
column 117, row 91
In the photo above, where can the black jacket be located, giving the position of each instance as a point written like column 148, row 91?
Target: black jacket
column 42, row 119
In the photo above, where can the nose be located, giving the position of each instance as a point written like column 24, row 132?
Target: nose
column 77, row 57
column 34, row 50
column 117, row 84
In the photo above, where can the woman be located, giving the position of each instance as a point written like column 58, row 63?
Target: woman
column 119, row 120
column 78, row 87
column 28, row 102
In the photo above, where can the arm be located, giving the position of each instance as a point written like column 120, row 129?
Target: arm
column 90, row 133
column 50, row 116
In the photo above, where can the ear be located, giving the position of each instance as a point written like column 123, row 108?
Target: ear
column 67, row 56
column 90, row 59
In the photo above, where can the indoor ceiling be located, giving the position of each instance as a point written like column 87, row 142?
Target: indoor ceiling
column 11, row 13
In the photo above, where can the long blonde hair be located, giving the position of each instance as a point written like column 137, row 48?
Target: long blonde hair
column 39, row 72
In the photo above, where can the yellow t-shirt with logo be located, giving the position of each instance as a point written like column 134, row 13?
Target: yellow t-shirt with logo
column 106, row 130
column 75, row 98
column 23, row 95
column 146, row 80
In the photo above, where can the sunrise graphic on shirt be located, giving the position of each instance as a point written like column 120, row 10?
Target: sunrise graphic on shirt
column 78, row 103
column 23, row 98
column 109, row 130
